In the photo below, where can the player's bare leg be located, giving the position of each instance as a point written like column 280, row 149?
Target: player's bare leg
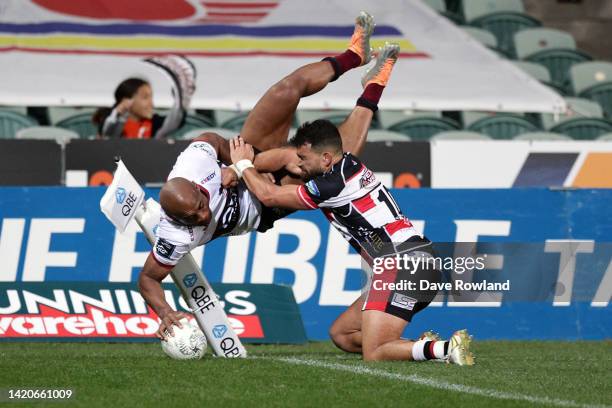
column 345, row 332
column 268, row 124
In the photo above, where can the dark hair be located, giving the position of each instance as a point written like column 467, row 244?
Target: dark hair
column 320, row 134
column 126, row 89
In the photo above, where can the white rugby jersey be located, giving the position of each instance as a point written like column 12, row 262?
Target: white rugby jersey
column 234, row 211
column 359, row 206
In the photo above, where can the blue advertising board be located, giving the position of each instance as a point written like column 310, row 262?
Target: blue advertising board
column 59, row 234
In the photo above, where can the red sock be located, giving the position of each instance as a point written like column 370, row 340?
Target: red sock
column 371, row 96
column 343, row 62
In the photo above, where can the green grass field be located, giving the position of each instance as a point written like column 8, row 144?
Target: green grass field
column 512, row 374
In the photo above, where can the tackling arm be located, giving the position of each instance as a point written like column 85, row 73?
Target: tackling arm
column 270, row 194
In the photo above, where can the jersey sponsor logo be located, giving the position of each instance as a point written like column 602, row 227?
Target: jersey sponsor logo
column 164, row 248
column 205, row 147
column 367, row 178
column 403, row 301
column 229, row 215
column 312, row 188
column 207, row 178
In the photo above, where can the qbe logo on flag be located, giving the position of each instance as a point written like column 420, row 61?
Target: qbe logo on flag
column 219, row 330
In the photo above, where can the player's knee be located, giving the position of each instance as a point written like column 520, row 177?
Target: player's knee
column 289, row 89
column 340, row 338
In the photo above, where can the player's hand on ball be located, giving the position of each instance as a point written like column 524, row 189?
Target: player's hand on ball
column 229, row 178
column 171, row 317
column 240, row 150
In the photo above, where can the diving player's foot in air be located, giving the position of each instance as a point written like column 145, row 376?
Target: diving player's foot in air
column 359, row 51
column 385, row 61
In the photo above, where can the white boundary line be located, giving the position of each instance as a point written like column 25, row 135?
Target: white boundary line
column 429, row 382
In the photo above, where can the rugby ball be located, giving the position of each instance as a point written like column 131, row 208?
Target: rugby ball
column 188, row 342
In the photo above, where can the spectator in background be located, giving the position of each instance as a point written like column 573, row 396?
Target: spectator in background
column 132, row 116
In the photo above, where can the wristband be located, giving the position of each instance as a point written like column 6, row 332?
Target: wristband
column 235, row 169
column 242, row 165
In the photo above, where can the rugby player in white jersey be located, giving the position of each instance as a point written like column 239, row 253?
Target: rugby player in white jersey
column 200, row 200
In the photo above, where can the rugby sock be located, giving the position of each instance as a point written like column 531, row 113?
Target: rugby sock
column 370, row 96
column 429, row 350
column 343, row 62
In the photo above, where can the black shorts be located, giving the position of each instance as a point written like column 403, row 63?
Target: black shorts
column 269, row 215
column 403, row 291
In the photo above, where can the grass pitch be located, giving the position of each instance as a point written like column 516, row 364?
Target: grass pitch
column 509, row 374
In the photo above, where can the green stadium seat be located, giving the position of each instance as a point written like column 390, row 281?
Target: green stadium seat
column 336, row 116
column 81, row 124
column 503, row 126
column 424, row 128
column 224, row 133
column 235, row 123
column 191, row 122
column 58, row 113
column 534, row 40
column 503, row 18
column 388, row 118
column 459, row 135
column 381, row 135
column 559, row 62
column 11, row 122
column 577, row 108
column 593, row 80
column 541, row 73
column 542, row 136
column 60, row 135
column 607, row 137
column 583, row 128
column 484, row 37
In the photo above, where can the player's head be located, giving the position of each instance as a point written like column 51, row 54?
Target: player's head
column 140, row 92
column 185, row 202
column 318, row 145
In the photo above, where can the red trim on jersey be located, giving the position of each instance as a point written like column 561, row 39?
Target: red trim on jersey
column 305, row 197
column 364, row 203
column 204, row 190
column 431, row 349
column 160, row 263
column 356, row 174
column 395, row 226
column 328, row 214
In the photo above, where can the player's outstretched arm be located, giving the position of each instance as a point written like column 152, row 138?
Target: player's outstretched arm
column 149, row 284
column 268, row 193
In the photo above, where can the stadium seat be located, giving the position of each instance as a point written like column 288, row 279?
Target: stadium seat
column 80, row 124
column 533, row 136
column 503, row 18
column 593, row 80
column 503, row 126
column 58, row 113
column 380, row 135
column 424, row 128
column 336, row 116
column 607, row 137
column 224, row 133
column 235, row 123
column 541, row 73
column 388, row 118
column 191, row 122
column 11, row 122
column 559, row 62
column 577, row 108
column 535, row 40
column 60, row 135
column 459, row 135
column 583, row 128
column 484, row 37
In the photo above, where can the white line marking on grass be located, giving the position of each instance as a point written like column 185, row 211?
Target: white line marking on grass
column 433, row 383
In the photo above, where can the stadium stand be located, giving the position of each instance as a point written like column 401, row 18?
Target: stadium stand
column 80, row 123
column 460, row 135
column 503, row 126
column 541, row 136
column 422, row 128
column 593, row 80
column 192, row 122
column 11, row 122
column 60, row 135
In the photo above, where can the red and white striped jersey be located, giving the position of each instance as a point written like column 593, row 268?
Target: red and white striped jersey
column 359, row 206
